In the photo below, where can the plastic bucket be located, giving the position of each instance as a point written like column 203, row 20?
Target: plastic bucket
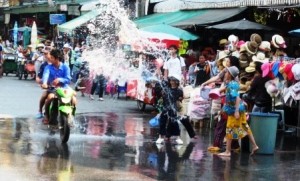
column 264, row 128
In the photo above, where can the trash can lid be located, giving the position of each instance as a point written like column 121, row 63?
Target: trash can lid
column 264, row 114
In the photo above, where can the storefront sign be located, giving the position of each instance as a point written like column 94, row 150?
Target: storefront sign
column 57, row 19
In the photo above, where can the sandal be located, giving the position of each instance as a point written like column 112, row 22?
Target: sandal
column 213, row 148
column 224, row 154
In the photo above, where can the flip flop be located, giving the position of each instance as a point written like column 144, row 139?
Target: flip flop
column 224, row 154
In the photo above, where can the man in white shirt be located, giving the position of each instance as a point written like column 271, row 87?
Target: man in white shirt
column 175, row 65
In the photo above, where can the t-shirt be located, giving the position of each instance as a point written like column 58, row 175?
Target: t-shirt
column 174, row 65
column 203, row 73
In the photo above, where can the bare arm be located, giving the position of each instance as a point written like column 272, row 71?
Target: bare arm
column 211, row 80
column 166, row 73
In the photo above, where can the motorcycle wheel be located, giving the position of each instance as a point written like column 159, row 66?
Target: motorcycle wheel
column 65, row 130
column 141, row 105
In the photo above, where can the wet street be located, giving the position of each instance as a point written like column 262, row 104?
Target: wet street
column 112, row 140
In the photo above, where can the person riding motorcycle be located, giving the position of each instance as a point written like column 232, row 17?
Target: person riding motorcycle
column 38, row 79
column 55, row 75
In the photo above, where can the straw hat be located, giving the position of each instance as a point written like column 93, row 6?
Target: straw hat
column 40, row 45
column 265, row 46
column 296, row 71
column 260, row 57
column 244, row 60
column 256, row 37
column 278, row 41
column 250, row 68
column 221, row 55
column 251, row 47
column 233, row 39
column 223, row 42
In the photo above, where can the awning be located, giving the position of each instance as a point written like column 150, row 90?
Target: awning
column 210, row 16
column 92, row 4
column 69, row 26
column 37, row 8
column 167, row 18
column 188, row 18
column 204, row 4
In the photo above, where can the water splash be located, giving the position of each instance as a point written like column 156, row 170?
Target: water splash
column 108, row 32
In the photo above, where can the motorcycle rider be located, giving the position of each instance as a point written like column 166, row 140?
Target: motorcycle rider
column 38, row 79
column 58, row 75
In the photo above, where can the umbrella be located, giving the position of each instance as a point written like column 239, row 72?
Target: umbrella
column 26, row 37
column 241, row 25
column 22, row 29
column 163, row 28
column 163, row 39
column 34, row 36
column 160, row 36
column 169, row 6
column 15, row 34
column 295, row 32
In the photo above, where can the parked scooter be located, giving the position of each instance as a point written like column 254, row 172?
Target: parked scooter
column 62, row 111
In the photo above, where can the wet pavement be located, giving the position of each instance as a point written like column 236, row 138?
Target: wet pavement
column 112, row 141
column 109, row 146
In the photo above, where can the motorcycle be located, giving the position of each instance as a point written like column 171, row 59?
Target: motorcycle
column 62, row 111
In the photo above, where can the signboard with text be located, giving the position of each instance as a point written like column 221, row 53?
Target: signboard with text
column 57, row 19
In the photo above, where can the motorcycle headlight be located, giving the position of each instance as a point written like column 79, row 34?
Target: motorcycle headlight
column 66, row 100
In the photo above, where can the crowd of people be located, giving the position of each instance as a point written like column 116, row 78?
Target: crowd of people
column 242, row 72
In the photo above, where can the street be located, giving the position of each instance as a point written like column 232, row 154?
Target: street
column 112, row 140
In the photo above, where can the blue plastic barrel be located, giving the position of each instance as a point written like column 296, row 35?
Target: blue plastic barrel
column 264, row 128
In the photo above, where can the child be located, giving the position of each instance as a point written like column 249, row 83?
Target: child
column 236, row 126
column 168, row 125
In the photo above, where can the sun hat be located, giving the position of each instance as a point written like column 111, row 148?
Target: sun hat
column 233, row 70
column 251, row 47
column 282, row 67
column 244, row 60
column 278, row 41
column 296, row 71
column 256, row 38
column 265, row 67
column 40, row 45
column 221, row 55
column 265, row 46
column 260, row 57
column 275, row 68
column 250, row 68
column 233, row 39
column 240, row 43
column 288, row 72
column 214, row 93
column 223, row 42
column 67, row 45
column 243, row 48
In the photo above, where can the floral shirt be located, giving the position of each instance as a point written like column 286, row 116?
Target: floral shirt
column 232, row 93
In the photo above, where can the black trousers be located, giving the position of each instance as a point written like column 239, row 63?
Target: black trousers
column 94, row 87
column 185, row 121
column 168, row 126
